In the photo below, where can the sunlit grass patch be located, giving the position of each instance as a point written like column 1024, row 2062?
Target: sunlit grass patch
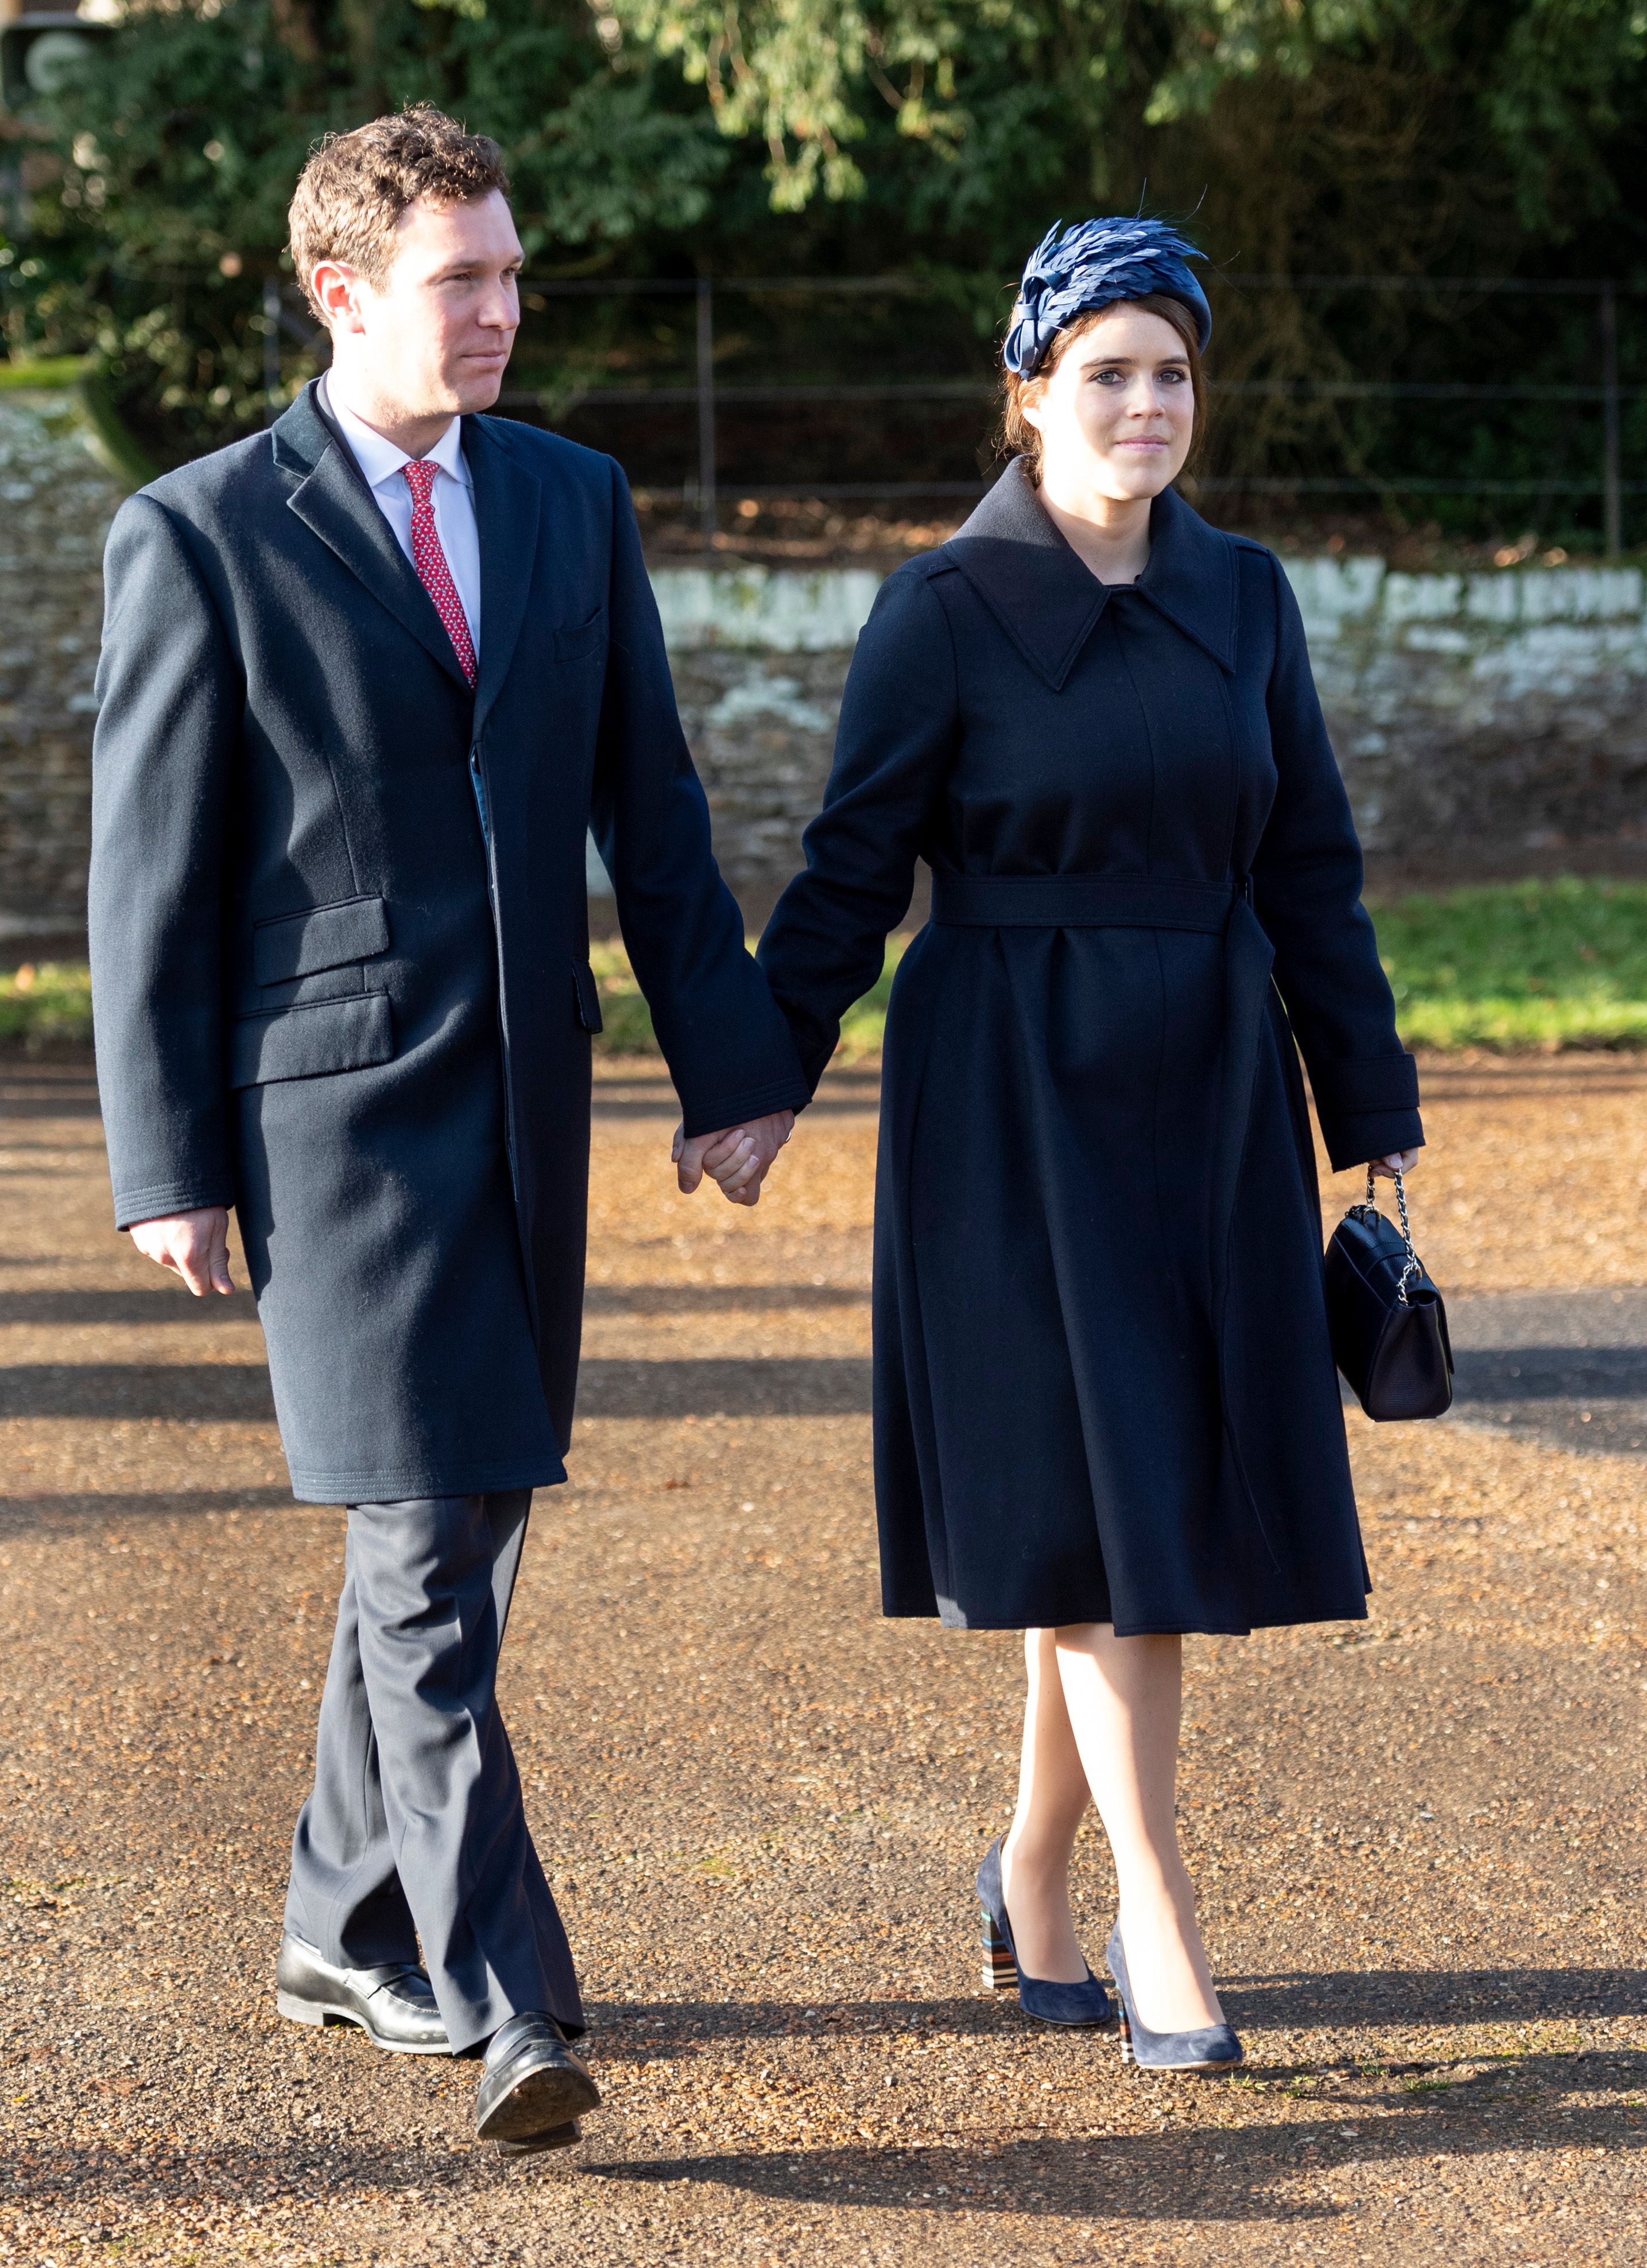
column 863, row 1027
column 1515, row 966
column 629, row 1023
column 624, row 1013
column 41, row 1005
column 1519, row 965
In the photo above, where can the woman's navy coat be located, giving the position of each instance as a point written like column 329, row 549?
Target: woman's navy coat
column 340, row 948
column 1103, row 1386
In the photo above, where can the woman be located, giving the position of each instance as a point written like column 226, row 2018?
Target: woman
column 1106, row 1407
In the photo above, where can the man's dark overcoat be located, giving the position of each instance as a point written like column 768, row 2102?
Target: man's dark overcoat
column 340, row 929
column 1103, row 1386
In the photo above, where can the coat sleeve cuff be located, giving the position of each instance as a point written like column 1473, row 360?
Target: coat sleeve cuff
column 1355, row 1138
column 708, row 1115
column 1368, row 1107
column 1346, row 1089
column 163, row 1199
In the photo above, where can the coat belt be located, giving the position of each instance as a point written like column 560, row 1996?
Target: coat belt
column 1079, row 901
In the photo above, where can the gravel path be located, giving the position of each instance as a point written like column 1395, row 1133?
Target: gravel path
column 1419, row 1840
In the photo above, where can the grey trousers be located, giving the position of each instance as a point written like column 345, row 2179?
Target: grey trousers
column 416, row 1830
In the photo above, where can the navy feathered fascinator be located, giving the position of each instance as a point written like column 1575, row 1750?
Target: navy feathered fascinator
column 1073, row 270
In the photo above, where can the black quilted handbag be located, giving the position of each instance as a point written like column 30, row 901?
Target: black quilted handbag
column 1388, row 1326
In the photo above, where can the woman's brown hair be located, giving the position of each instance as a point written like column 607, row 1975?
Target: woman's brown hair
column 1019, row 438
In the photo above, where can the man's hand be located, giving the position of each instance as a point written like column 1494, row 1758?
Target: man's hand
column 192, row 1245
column 738, row 1157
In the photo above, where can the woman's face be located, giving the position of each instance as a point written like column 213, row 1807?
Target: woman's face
column 1117, row 413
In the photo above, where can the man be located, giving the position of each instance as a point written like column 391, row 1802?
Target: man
column 366, row 679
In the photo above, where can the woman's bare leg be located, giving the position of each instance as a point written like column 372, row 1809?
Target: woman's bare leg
column 1123, row 1697
column 1052, row 1796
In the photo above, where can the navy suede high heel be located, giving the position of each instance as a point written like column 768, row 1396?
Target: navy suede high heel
column 1214, row 2048
column 1042, row 1998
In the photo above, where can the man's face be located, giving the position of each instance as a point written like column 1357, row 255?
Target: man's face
column 434, row 336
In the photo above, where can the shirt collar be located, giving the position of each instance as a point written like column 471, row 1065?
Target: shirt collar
column 380, row 460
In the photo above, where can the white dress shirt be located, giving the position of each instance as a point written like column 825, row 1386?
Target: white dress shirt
column 452, row 496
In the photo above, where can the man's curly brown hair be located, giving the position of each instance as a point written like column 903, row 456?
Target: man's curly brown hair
column 352, row 192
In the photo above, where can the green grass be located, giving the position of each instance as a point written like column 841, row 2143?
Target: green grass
column 39, row 1006
column 65, row 370
column 626, row 1017
column 629, row 1023
column 1514, row 967
column 1519, row 965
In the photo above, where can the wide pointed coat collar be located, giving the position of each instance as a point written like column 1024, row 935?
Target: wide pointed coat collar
column 332, row 499
column 1048, row 602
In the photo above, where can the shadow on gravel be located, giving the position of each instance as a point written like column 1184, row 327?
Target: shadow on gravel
column 1565, row 1369
column 713, row 1299
column 37, row 1515
column 1201, row 2172
column 1592, row 1399
column 1552, row 1373
column 1324, row 2000
column 807, row 1387
column 1594, row 1404
column 1435, row 1996
column 1534, row 2106
column 820, row 1386
column 186, row 1391
column 75, row 1101
column 627, row 2031
column 44, row 1309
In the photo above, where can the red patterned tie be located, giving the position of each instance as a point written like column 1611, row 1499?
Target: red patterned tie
column 430, row 561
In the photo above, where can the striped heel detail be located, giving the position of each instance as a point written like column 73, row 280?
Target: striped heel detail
column 1000, row 1971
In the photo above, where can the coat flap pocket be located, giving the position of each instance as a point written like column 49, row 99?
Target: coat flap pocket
column 588, row 996
column 319, row 937
column 304, row 1042
column 581, row 637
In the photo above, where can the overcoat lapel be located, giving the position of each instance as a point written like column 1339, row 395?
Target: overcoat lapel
column 1048, row 599
column 507, row 503
column 332, row 499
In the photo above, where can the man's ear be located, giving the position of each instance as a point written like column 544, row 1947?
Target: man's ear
column 337, row 290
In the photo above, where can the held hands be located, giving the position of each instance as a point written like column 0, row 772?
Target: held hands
column 738, row 1157
column 192, row 1245
column 1401, row 1161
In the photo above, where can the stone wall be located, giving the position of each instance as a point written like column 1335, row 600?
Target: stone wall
column 1475, row 715
column 1506, row 709
column 1500, row 713
column 56, row 500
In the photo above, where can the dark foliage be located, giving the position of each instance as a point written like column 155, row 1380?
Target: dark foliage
column 1403, row 138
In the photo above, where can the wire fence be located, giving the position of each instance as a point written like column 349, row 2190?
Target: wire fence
column 690, row 415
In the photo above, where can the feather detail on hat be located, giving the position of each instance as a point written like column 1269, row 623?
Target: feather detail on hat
column 1093, row 264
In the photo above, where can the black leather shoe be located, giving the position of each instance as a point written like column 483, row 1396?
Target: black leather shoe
column 394, row 2005
column 533, row 2085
